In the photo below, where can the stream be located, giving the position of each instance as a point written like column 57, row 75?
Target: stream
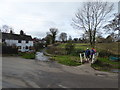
column 40, row 56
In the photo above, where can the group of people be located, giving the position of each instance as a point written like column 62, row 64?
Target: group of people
column 89, row 54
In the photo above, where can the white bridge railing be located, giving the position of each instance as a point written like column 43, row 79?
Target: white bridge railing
column 83, row 57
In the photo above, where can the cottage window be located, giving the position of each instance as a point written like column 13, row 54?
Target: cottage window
column 3, row 40
column 19, row 47
column 26, row 41
column 26, row 47
column 19, row 41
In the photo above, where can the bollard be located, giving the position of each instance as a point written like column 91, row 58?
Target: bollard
column 80, row 57
column 93, row 57
column 85, row 57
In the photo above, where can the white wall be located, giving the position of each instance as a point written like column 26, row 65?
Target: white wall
column 23, row 44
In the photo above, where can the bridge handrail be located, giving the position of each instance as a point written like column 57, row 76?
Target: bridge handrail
column 94, row 58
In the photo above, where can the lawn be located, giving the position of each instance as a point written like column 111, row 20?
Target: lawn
column 67, row 60
column 109, row 47
column 81, row 46
column 27, row 55
column 105, row 62
column 105, row 50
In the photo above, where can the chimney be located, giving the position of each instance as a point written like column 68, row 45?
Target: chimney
column 21, row 32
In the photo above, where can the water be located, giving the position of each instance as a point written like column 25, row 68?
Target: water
column 115, row 70
column 40, row 56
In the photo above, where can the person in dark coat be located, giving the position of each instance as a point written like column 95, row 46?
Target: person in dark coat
column 92, row 52
column 87, row 54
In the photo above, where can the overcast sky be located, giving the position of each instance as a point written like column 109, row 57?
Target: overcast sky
column 36, row 17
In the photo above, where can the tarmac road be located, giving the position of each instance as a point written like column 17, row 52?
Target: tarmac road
column 26, row 73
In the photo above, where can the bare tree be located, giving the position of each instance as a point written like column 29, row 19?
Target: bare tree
column 63, row 37
column 70, row 39
column 91, row 18
column 53, row 33
column 48, row 39
column 113, row 24
column 5, row 28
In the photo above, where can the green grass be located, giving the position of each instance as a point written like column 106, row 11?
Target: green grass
column 106, row 60
column 81, row 46
column 110, row 47
column 67, row 60
column 104, row 64
column 28, row 55
column 62, row 45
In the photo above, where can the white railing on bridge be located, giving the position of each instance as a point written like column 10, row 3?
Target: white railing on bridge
column 83, row 57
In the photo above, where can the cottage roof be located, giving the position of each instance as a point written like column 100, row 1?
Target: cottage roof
column 16, row 36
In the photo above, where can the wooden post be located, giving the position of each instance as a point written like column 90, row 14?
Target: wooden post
column 80, row 58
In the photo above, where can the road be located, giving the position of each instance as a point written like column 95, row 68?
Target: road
column 26, row 73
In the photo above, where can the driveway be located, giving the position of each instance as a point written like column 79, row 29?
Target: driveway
column 23, row 73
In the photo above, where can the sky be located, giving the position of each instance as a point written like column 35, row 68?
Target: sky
column 36, row 17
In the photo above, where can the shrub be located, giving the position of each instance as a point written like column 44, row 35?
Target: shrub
column 76, row 52
column 105, row 64
column 38, row 46
column 56, row 50
column 104, row 53
column 69, row 47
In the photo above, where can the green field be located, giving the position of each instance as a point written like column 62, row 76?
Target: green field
column 104, row 49
column 67, row 60
column 27, row 55
column 109, row 47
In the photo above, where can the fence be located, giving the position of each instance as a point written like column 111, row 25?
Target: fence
column 83, row 57
column 9, row 50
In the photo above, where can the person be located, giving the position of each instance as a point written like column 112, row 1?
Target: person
column 87, row 54
column 92, row 52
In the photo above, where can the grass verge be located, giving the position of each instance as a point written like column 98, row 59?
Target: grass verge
column 67, row 60
column 27, row 55
column 104, row 64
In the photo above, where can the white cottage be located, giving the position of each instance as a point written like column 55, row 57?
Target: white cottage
column 22, row 41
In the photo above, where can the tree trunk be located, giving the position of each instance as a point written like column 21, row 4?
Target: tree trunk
column 94, row 34
column 90, row 38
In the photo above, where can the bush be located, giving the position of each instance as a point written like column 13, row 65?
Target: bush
column 76, row 52
column 105, row 64
column 38, row 46
column 56, row 50
column 104, row 53
column 69, row 47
